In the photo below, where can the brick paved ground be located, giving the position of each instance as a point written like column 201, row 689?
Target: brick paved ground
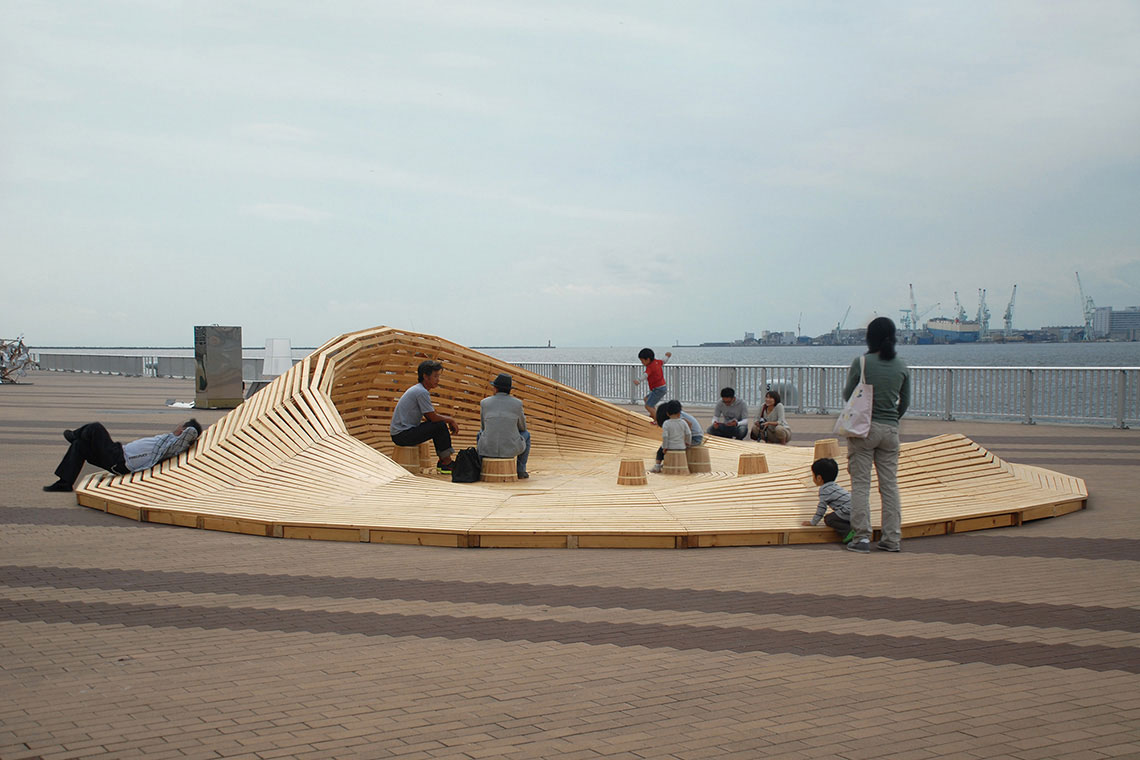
column 124, row 640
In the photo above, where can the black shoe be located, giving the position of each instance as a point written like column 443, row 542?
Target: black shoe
column 58, row 485
column 524, row 476
column 69, row 435
column 444, row 469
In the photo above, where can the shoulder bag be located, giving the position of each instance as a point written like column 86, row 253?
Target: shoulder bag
column 855, row 419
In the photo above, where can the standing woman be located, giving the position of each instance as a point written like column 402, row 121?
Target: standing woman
column 891, row 381
column 771, row 425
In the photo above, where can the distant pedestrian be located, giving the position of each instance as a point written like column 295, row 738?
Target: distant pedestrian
column 92, row 443
column 654, row 378
column 730, row 416
column 890, row 378
column 831, row 496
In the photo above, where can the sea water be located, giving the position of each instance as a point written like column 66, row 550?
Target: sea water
column 1091, row 354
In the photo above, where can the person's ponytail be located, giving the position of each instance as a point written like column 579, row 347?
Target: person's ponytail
column 882, row 338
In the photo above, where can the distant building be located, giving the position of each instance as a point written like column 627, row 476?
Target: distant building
column 1063, row 333
column 1123, row 324
column 776, row 338
column 1102, row 321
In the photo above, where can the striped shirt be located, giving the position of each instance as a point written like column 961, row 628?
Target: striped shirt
column 835, row 496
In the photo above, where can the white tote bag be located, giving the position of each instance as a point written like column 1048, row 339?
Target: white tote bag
column 855, row 419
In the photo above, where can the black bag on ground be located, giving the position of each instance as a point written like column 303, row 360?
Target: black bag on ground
column 467, row 467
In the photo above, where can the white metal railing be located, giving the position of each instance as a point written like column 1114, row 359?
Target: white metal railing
column 179, row 367
column 1083, row 395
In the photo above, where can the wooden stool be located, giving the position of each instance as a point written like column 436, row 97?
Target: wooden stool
column 499, row 470
column 754, row 463
column 675, row 463
column 631, row 472
column 698, row 458
column 826, row 447
column 427, row 457
column 408, row 457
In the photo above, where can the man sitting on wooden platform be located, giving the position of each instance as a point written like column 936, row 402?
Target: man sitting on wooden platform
column 415, row 420
column 502, row 426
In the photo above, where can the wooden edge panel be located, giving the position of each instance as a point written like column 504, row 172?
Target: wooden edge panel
column 321, row 534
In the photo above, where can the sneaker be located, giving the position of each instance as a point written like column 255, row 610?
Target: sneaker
column 58, row 485
column 444, row 469
column 886, row 547
column 863, row 546
column 850, row 535
column 69, row 435
column 655, row 468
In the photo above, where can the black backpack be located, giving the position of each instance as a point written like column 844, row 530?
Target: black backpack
column 467, row 467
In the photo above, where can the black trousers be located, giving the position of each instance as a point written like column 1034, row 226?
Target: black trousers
column 837, row 523
column 92, row 444
column 723, row 431
column 436, row 432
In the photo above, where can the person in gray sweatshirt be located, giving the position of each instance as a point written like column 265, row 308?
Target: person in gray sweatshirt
column 676, row 433
column 730, row 416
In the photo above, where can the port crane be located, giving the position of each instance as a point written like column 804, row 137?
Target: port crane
column 1088, row 308
column 912, row 318
column 961, row 315
column 840, row 323
column 1008, row 316
column 983, row 313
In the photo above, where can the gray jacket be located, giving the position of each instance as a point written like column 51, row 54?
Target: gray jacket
column 501, row 422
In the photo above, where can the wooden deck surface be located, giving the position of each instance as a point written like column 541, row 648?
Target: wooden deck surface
column 308, row 457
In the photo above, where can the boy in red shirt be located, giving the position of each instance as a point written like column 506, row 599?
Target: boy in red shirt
column 655, row 378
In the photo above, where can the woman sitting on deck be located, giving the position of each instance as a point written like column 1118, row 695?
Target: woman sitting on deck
column 771, row 426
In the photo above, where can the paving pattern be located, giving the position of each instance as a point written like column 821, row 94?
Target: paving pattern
column 122, row 639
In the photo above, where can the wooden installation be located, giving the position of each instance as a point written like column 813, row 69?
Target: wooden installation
column 826, row 448
column 752, row 463
column 631, row 472
column 698, row 459
column 676, row 463
column 498, row 470
column 309, row 456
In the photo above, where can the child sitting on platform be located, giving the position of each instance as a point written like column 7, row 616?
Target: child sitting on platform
column 676, row 435
column 831, row 494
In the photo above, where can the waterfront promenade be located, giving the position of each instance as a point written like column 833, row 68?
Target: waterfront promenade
column 123, row 639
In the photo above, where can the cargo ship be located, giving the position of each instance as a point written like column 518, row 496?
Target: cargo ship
column 943, row 330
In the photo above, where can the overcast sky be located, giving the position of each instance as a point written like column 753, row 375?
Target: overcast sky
column 592, row 173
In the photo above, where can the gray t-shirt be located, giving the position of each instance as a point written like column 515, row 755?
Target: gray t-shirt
column 410, row 409
column 737, row 411
column 675, row 434
column 694, row 427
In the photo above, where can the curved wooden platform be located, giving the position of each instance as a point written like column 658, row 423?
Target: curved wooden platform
column 308, row 457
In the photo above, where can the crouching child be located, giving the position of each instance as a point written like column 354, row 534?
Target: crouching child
column 833, row 496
